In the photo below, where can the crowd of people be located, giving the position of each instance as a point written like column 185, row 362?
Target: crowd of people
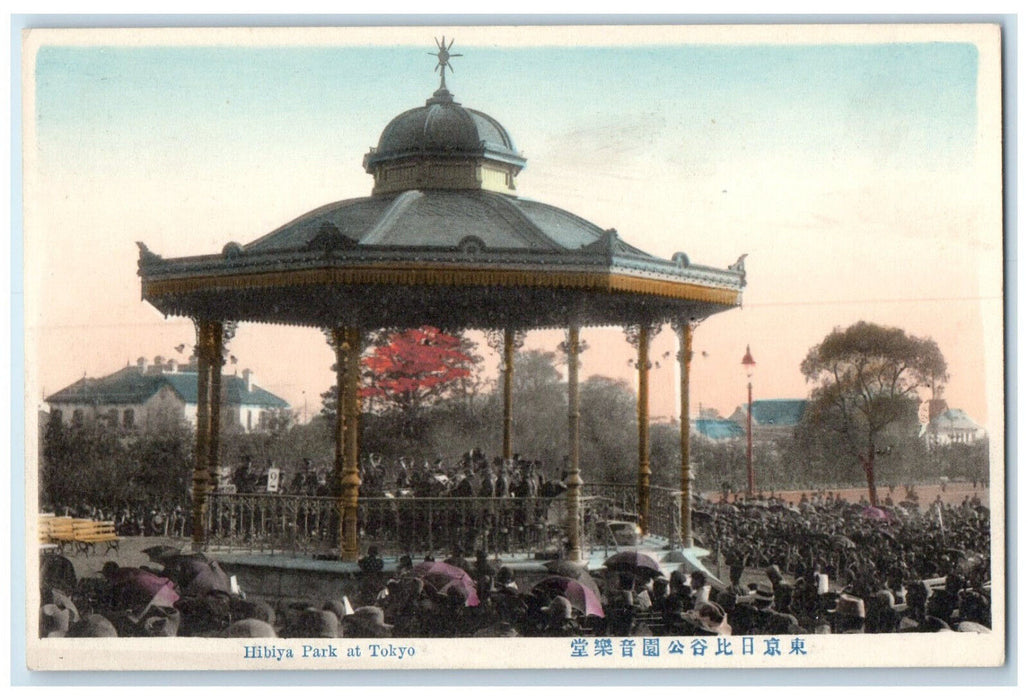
column 133, row 519
column 823, row 566
column 471, row 475
column 931, row 565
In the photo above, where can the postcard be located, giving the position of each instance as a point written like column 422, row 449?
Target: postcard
column 515, row 347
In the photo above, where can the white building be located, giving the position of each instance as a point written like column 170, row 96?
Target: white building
column 953, row 426
column 137, row 396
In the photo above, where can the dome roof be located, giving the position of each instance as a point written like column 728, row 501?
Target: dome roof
column 443, row 128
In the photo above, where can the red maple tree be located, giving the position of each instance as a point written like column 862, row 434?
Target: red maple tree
column 414, row 367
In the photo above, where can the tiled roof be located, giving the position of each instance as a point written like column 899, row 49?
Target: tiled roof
column 779, row 411
column 718, row 428
column 768, row 412
column 129, row 386
column 955, row 419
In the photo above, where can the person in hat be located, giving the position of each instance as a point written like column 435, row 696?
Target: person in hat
column 505, row 579
column 56, row 571
column 848, row 616
column 404, row 608
column 367, row 622
column 404, row 565
column 482, row 566
column 699, row 589
column 559, row 618
column 339, row 608
column 883, row 614
column 204, row 615
column 241, row 609
column 621, row 606
column 457, row 559
column 313, row 623
column 708, row 619
column 371, row 562
column 916, row 617
column 249, row 628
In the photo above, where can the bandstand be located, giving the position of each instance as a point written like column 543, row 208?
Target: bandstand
column 443, row 240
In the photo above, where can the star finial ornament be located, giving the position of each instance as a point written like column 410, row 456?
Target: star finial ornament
column 444, row 57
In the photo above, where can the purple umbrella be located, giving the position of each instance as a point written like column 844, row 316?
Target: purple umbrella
column 577, row 572
column 134, row 587
column 444, row 577
column 581, row 597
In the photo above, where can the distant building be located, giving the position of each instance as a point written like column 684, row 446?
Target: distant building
column 772, row 418
column 717, row 429
column 953, row 426
column 137, row 396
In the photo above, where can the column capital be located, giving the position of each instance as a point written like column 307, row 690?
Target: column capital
column 691, row 322
column 567, row 346
column 633, row 332
column 494, row 337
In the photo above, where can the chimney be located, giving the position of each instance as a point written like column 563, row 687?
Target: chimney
column 141, row 364
column 172, row 366
column 158, row 363
column 249, row 378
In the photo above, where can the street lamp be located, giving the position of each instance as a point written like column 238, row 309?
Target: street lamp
column 749, row 364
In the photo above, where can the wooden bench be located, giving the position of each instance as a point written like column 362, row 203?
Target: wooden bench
column 61, row 532
column 45, row 543
column 89, row 533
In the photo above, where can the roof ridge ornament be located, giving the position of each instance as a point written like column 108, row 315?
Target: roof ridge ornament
column 444, row 56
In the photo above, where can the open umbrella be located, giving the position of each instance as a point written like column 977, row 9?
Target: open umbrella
column 581, row 597
column 136, row 587
column 195, row 574
column 159, row 552
column 571, row 570
column 633, row 562
column 443, row 577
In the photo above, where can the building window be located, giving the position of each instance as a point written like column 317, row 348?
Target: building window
column 128, row 418
column 77, row 417
column 249, row 421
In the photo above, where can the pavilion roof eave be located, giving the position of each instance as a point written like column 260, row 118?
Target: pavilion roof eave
column 384, row 258
column 379, row 287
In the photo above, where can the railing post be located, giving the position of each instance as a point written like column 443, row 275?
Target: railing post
column 574, row 480
column 685, row 331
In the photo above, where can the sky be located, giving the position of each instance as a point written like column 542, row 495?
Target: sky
column 858, row 169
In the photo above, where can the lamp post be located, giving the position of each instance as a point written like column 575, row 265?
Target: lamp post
column 749, row 364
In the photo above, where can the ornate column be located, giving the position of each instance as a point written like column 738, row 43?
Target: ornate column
column 225, row 332
column 684, row 329
column 346, row 342
column 573, row 346
column 639, row 336
column 208, row 355
column 351, row 472
column 506, row 345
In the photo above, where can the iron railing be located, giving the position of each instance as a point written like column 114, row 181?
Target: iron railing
column 437, row 525
column 621, row 502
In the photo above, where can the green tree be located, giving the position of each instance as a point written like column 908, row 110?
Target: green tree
column 609, row 434
column 866, row 378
